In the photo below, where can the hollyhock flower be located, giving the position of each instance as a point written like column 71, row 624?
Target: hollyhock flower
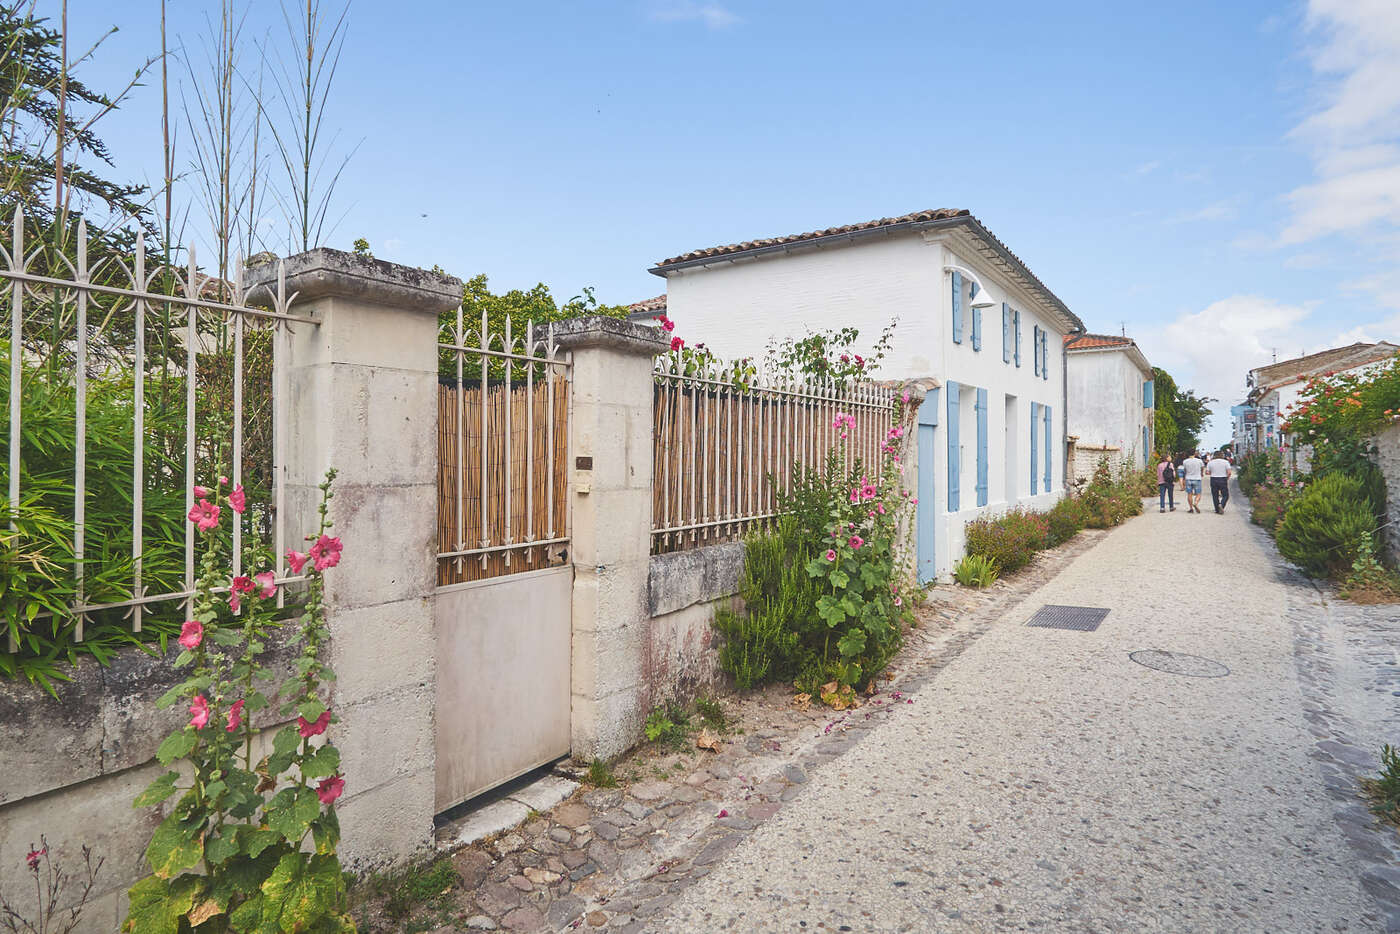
column 831, row 554
column 204, row 514
column 238, row 500
column 223, row 481
column 880, row 508
column 845, row 358
column 199, row 712
column 915, row 501
column 32, row 858
column 266, row 587
column 235, row 716
column 904, row 397
column 234, row 603
column 328, row 789
column 677, row 343
column 308, row 729
column 242, row 584
column 860, row 361
column 899, row 601
column 201, row 492
column 855, row 541
column 668, row 324
column 297, row 560
column 191, row 634
column 325, row 553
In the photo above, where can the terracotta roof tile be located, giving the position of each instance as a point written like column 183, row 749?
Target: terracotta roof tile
column 1095, row 341
column 656, row 305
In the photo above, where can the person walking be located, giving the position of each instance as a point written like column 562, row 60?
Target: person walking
column 1191, row 471
column 1166, row 484
column 1219, row 472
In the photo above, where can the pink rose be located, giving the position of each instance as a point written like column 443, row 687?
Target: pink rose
column 325, row 553
column 266, row 587
column 235, row 716
column 238, row 500
column 199, row 712
column 191, row 634
column 831, row 554
column 330, row 788
column 307, row 729
column 204, row 514
column 297, row 560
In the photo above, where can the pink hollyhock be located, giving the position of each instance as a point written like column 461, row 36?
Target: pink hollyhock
column 33, row 857
column 266, row 587
column 831, row 554
column 191, row 634
column 668, row 324
column 223, row 481
column 204, row 514
column 238, row 500
column 905, row 397
column 899, row 601
column 199, row 712
column 677, row 343
column 235, row 716
column 860, row 361
column 915, row 501
column 856, row 541
column 242, row 584
column 234, row 603
column 330, row 788
column 880, row 508
column 325, row 553
column 201, row 492
column 297, row 560
column 855, row 496
column 845, row 358
column 307, row 729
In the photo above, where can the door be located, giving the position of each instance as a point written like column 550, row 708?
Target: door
column 927, row 508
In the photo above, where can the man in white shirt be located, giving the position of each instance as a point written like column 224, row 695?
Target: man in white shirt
column 1191, row 470
column 1219, row 472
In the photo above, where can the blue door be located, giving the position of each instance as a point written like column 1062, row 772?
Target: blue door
column 926, row 510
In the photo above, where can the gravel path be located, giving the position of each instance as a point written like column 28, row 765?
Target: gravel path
column 1050, row 783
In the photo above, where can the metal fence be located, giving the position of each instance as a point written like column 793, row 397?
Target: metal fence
column 725, row 451
column 502, row 441
column 149, row 367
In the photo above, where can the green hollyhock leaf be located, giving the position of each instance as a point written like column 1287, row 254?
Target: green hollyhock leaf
column 258, row 839
column 840, row 579
column 852, row 643
column 325, row 832
column 156, row 906
column 220, row 847
column 157, row 791
column 311, row 708
column 243, row 799
column 324, row 761
column 306, row 891
column 175, row 746
column 171, row 696
column 174, row 846
column 291, row 812
column 227, row 636
column 184, row 658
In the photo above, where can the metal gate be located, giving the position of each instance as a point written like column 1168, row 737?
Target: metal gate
column 502, row 607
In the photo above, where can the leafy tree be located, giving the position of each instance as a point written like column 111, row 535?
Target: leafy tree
column 1186, row 411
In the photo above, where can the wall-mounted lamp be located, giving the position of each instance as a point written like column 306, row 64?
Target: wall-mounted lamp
column 983, row 298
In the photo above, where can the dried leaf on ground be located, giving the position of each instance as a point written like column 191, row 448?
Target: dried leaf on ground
column 802, row 701
column 707, row 740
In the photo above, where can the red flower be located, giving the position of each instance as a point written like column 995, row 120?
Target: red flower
column 242, row 584
column 325, row 553
column 33, row 857
column 668, row 324
column 235, row 716
column 330, row 788
column 234, row 603
column 307, row 729
column 191, row 634
column 677, row 343
column 199, row 712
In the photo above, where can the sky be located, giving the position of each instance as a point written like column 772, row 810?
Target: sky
column 1219, row 180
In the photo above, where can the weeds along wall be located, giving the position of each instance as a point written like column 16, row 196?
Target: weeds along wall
column 1388, row 458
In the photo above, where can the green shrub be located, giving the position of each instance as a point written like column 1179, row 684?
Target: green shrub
column 1270, row 500
column 1065, row 520
column 1010, row 540
column 1321, row 530
column 976, row 571
column 1260, row 467
column 761, row 642
column 1384, row 790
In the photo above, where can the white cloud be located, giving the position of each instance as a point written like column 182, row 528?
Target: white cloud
column 1217, row 211
column 1147, row 168
column 712, row 15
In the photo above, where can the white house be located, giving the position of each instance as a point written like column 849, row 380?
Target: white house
column 970, row 314
column 1110, row 402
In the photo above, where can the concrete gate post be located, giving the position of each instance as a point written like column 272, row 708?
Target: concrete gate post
column 362, row 398
column 610, row 472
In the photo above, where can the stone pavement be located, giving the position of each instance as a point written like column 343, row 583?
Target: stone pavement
column 1042, row 780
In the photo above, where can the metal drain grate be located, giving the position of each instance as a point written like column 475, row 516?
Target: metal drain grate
column 1078, row 618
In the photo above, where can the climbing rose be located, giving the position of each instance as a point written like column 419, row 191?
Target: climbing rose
column 266, row 587
column 831, row 554
column 33, row 857
column 326, row 552
column 238, row 500
column 330, row 788
column 191, row 634
column 199, row 712
column 677, row 343
column 204, row 514
column 297, row 560
column 235, row 716
column 307, row 729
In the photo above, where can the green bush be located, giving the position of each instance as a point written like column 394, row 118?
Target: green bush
column 1109, row 500
column 1010, row 540
column 1321, row 530
column 1260, row 467
column 1270, row 501
column 976, row 571
column 761, row 642
column 1384, row 789
column 1066, row 519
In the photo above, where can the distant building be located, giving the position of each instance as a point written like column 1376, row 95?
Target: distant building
column 1276, row 388
column 647, row 310
column 1110, row 401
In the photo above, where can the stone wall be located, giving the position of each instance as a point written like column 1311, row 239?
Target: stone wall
column 683, row 591
column 1388, row 456
column 1084, row 460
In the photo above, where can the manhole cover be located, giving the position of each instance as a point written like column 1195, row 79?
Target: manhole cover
column 1179, row 663
column 1079, row 618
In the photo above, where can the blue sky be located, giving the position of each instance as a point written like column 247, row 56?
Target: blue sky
column 1222, row 179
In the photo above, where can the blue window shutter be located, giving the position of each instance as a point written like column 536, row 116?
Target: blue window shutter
column 1016, row 315
column 976, row 329
column 957, row 308
column 1035, row 346
column 1149, row 394
column 1035, row 448
column 1005, row 333
column 1049, row 459
column 954, row 454
column 1045, row 358
column 981, row 447
column 1146, row 454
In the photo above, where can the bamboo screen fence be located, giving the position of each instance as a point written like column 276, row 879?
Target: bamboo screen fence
column 720, row 447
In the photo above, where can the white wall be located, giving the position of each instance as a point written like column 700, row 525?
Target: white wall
column 1105, row 401
column 735, row 308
